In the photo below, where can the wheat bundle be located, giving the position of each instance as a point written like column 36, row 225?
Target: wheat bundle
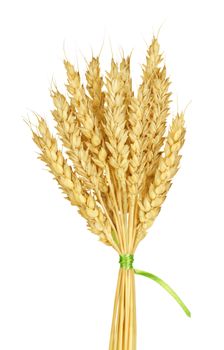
column 118, row 165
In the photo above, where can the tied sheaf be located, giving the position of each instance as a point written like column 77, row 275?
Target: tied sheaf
column 119, row 160
column 117, row 164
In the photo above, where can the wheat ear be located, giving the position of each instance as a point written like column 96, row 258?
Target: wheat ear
column 88, row 206
column 167, row 168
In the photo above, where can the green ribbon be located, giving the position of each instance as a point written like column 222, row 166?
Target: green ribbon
column 126, row 262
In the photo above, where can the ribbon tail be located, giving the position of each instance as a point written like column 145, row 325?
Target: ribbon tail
column 166, row 287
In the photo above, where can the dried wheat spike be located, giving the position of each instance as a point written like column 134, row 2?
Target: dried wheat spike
column 167, row 168
column 70, row 183
column 95, row 88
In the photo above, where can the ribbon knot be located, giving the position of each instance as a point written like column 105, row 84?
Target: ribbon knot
column 126, row 262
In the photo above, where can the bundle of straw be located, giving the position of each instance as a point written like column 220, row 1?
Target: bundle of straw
column 118, row 165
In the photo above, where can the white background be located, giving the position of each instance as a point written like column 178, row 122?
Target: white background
column 57, row 282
